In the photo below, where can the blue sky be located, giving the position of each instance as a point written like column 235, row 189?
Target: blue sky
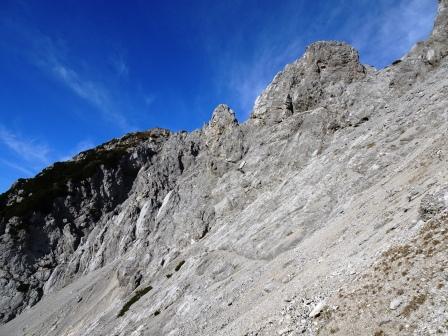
column 74, row 74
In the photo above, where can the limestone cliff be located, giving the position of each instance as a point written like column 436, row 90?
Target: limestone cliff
column 324, row 213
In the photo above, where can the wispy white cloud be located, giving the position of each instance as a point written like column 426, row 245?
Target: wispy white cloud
column 246, row 76
column 28, row 150
column 51, row 55
column 248, row 81
column 17, row 167
column 393, row 31
column 91, row 92
column 384, row 31
column 120, row 66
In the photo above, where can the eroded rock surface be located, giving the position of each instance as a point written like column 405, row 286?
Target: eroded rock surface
column 301, row 220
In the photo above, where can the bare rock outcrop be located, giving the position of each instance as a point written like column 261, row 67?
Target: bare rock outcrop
column 337, row 181
column 224, row 140
column 425, row 55
column 320, row 76
column 46, row 219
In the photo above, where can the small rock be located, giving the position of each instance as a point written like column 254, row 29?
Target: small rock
column 318, row 309
column 395, row 303
column 268, row 288
column 288, row 298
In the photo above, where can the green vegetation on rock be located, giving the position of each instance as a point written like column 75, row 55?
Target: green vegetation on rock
column 179, row 265
column 138, row 294
column 39, row 193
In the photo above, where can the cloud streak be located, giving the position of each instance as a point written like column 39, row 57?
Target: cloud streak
column 93, row 93
column 120, row 66
column 383, row 32
column 51, row 57
column 29, row 151
column 393, row 31
column 17, row 167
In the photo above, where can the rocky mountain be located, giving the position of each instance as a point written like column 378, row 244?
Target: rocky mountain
column 325, row 213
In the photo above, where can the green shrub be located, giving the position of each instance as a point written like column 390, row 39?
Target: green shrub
column 138, row 294
column 179, row 265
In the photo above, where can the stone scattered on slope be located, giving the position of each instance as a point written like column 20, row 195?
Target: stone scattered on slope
column 334, row 188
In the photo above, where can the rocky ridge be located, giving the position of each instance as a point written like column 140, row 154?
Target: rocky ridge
column 293, row 222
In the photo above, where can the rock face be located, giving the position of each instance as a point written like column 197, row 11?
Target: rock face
column 317, row 79
column 45, row 220
column 324, row 213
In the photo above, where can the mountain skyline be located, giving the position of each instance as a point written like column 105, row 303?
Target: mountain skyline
column 75, row 76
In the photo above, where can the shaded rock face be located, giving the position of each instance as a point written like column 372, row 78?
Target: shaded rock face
column 252, row 228
column 46, row 219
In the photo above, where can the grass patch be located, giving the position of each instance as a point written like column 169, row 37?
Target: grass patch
column 179, row 265
column 138, row 294
column 415, row 303
column 398, row 252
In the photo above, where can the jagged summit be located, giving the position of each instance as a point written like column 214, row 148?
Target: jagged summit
column 323, row 214
column 318, row 76
column 223, row 116
column 333, row 61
